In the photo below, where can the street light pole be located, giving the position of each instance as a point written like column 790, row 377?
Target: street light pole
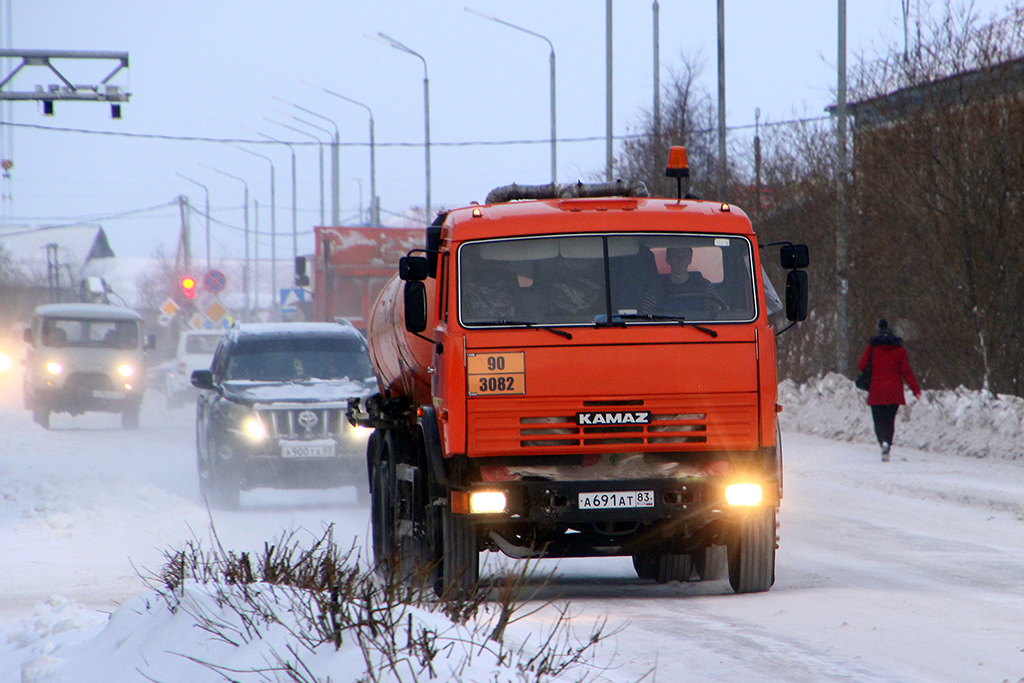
column 335, row 161
column 320, row 144
column 723, row 165
column 374, row 200
column 554, row 137
column 245, row 267
column 273, row 234
column 207, row 190
column 426, row 109
column 295, row 217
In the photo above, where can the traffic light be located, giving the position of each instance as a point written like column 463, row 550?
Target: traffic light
column 188, row 287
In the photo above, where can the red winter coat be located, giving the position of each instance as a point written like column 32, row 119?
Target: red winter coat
column 889, row 369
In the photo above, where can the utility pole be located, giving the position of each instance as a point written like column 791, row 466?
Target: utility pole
column 723, row 164
column 842, row 178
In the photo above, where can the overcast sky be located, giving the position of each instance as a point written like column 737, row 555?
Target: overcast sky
column 211, row 70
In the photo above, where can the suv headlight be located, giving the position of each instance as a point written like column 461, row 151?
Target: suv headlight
column 254, row 428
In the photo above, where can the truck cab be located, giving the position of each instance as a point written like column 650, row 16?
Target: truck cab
column 582, row 376
column 85, row 358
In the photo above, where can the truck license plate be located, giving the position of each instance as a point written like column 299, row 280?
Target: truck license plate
column 616, row 499
column 308, row 449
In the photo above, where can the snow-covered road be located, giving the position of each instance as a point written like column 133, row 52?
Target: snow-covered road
column 907, row 571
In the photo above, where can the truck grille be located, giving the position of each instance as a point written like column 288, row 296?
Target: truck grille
column 303, row 423
column 724, row 421
column 563, row 431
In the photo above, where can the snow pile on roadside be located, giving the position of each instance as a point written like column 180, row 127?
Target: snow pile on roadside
column 212, row 632
column 972, row 423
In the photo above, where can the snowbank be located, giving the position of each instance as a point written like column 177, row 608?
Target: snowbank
column 965, row 422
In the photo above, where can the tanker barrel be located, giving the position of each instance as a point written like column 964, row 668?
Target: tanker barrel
column 400, row 358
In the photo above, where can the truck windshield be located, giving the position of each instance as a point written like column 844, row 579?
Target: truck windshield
column 588, row 279
column 78, row 332
column 286, row 359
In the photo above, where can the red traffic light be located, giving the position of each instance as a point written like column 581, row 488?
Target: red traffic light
column 188, row 287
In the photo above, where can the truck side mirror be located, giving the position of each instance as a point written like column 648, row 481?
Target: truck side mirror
column 150, row 342
column 26, row 334
column 415, row 306
column 793, row 256
column 413, row 268
column 796, row 295
column 433, row 249
column 203, row 379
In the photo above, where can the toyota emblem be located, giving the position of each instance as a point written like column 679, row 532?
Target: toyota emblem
column 308, row 420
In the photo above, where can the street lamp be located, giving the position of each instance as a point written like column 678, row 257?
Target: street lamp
column 554, row 153
column 207, row 190
column 374, row 201
column 245, row 267
column 335, row 162
column 319, row 143
column 387, row 40
column 295, row 218
column 273, row 234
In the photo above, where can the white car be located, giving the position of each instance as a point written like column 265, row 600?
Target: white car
column 195, row 352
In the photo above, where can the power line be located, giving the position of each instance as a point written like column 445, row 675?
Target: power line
column 467, row 143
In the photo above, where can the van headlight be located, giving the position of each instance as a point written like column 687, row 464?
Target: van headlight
column 54, row 368
column 125, row 370
column 743, row 494
column 5, row 362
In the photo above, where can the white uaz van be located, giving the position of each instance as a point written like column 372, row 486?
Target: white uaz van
column 85, row 357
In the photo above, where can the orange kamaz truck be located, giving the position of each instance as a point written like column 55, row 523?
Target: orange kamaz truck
column 581, row 371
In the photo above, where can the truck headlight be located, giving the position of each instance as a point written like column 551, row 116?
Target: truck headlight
column 54, row 368
column 743, row 494
column 125, row 370
column 483, row 502
column 255, row 429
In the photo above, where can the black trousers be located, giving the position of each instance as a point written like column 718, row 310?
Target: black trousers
column 885, row 422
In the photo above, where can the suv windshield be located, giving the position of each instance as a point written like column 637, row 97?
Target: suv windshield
column 77, row 332
column 292, row 358
column 583, row 279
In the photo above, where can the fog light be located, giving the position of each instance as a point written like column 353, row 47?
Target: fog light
column 743, row 494
column 482, row 502
column 125, row 370
column 255, row 429
column 54, row 368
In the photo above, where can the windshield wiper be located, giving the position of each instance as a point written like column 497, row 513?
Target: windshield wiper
column 672, row 318
column 533, row 326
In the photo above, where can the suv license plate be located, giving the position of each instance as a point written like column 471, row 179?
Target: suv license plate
column 318, row 449
column 616, row 499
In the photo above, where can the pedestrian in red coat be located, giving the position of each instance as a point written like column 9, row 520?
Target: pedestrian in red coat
column 889, row 369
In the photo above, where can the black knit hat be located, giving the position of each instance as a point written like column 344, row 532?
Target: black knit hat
column 883, row 327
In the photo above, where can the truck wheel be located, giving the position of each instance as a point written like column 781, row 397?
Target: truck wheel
column 130, row 418
column 381, row 515
column 644, row 566
column 460, row 559
column 751, row 552
column 41, row 416
column 709, row 563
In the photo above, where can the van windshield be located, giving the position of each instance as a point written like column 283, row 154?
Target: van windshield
column 87, row 332
column 587, row 279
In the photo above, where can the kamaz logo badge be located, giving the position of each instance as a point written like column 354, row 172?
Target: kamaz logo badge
column 308, row 420
column 637, row 417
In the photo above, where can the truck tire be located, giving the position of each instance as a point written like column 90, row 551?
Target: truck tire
column 381, row 514
column 460, row 560
column 751, row 552
column 709, row 563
